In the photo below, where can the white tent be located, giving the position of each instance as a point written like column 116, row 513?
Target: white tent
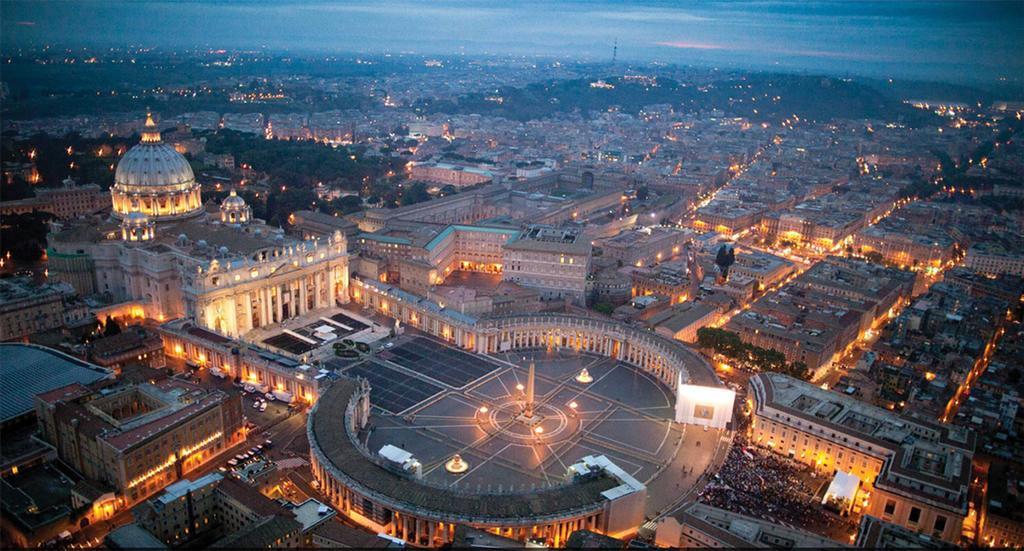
column 842, row 491
column 394, row 453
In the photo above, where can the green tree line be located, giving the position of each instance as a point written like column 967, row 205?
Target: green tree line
column 729, row 344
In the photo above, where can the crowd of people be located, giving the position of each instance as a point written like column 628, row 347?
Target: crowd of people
column 768, row 487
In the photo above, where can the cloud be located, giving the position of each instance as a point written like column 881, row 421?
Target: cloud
column 693, row 45
column 651, row 16
column 769, row 50
column 409, row 10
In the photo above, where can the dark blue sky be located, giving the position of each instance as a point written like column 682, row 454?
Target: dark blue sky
column 950, row 41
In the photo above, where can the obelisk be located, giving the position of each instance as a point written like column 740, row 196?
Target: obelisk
column 528, row 410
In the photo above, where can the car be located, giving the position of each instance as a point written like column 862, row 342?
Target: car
column 256, row 404
column 263, row 406
column 239, row 457
column 254, row 450
column 389, row 345
column 269, row 443
column 269, row 396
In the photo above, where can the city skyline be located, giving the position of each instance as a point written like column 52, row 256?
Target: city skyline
column 961, row 42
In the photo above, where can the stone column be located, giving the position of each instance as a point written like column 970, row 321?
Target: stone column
column 318, row 280
column 278, row 306
column 232, row 313
column 303, row 298
column 264, row 307
column 247, row 298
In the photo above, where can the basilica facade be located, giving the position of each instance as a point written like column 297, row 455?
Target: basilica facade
column 167, row 255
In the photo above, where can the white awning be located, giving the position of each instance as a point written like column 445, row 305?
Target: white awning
column 843, row 487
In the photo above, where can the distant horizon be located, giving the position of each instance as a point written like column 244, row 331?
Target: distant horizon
column 972, row 43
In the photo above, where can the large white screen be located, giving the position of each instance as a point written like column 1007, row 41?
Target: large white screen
column 704, row 405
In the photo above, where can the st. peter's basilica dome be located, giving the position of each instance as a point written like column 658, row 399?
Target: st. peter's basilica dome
column 154, row 179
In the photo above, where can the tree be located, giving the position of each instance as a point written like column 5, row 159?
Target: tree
column 111, row 327
column 416, row 193
column 722, row 341
column 604, row 308
column 345, row 205
column 729, row 344
column 725, row 258
column 799, row 370
column 17, row 188
column 874, row 256
column 24, row 235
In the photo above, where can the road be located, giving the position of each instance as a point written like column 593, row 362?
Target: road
column 708, row 448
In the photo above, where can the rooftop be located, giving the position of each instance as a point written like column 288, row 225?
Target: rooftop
column 549, row 239
column 28, row 370
column 851, row 416
column 742, row 531
column 22, row 288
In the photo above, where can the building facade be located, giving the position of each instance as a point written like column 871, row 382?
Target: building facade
column 26, row 308
column 916, row 472
column 995, row 259
column 555, row 262
column 137, row 439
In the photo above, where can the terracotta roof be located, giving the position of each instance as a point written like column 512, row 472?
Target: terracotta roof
column 340, row 535
column 250, row 497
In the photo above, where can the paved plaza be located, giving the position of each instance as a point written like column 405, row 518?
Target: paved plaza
column 436, row 401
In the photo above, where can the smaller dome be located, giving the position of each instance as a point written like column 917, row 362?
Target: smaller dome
column 233, row 200
column 234, row 211
column 137, row 226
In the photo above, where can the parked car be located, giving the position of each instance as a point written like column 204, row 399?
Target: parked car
column 263, row 406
